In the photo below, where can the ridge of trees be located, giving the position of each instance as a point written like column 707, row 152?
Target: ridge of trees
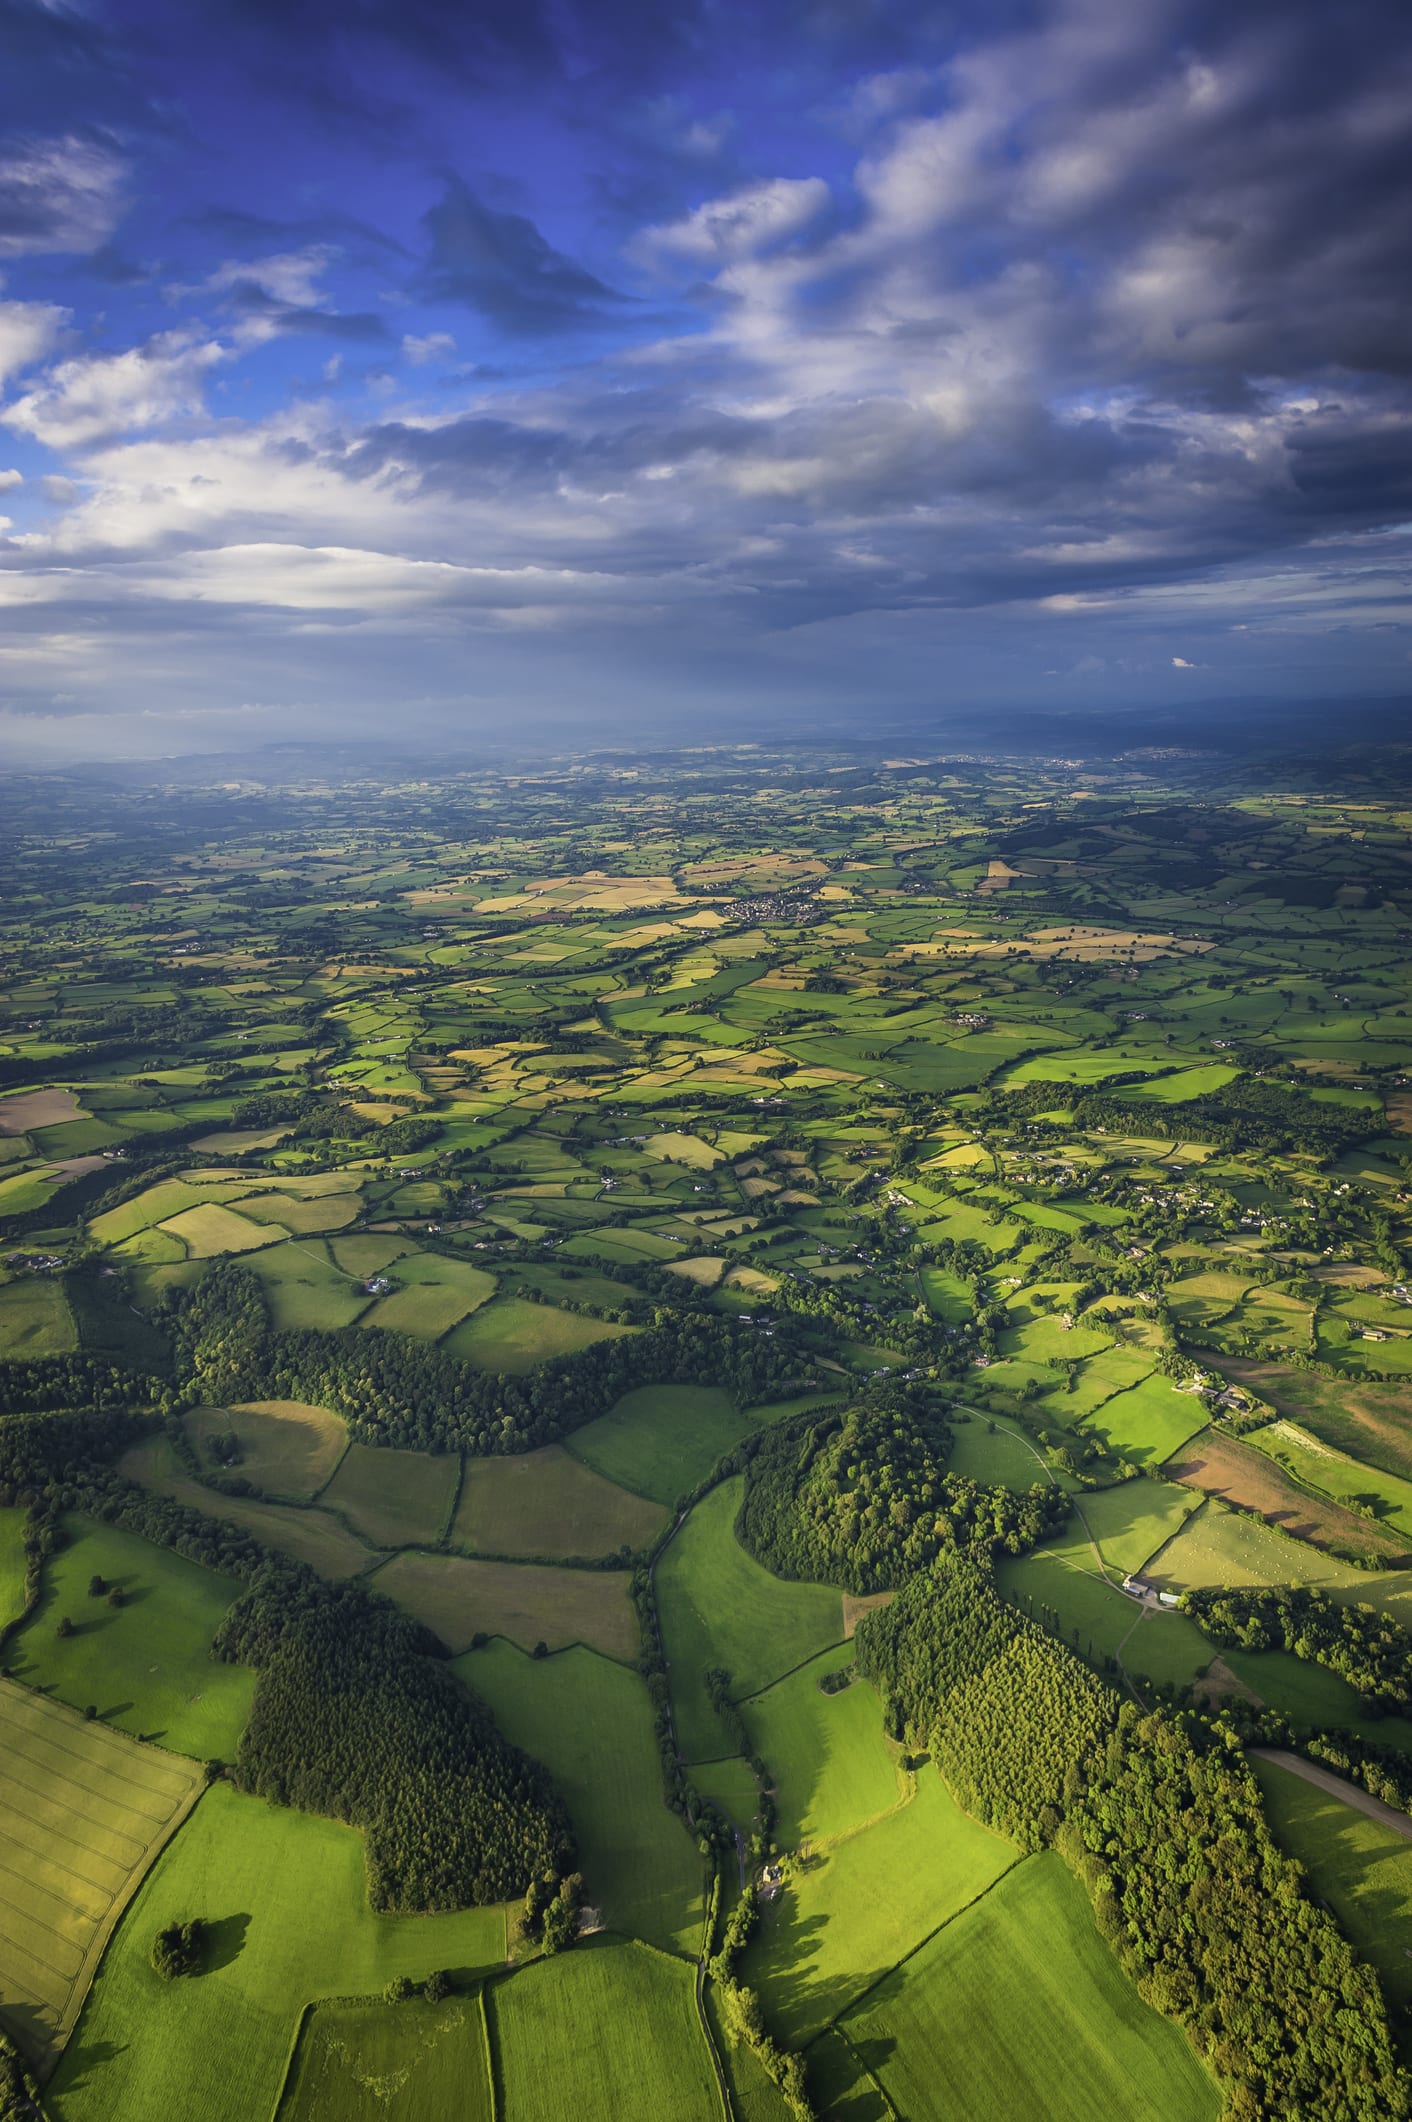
column 862, row 1497
column 1161, row 1820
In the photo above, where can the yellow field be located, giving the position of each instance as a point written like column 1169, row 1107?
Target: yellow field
column 210, row 1229
column 83, row 1813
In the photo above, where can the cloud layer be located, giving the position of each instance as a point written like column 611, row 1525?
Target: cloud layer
column 1063, row 358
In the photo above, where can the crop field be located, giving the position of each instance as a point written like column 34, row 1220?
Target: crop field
column 287, row 1448
column 285, row 1896
column 1344, row 1480
column 550, row 1504
column 394, row 1498
column 144, row 1665
column 1239, row 1474
column 35, row 1319
column 590, row 1721
column 1360, row 1867
column 848, row 1914
column 605, row 2034
column 719, row 1607
column 832, row 1768
column 83, row 1812
column 309, row 1535
column 1018, row 2007
column 662, row 1439
column 513, row 1336
column 458, row 1598
column 391, row 2063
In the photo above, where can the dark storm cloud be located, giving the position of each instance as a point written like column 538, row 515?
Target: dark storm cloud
column 500, row 264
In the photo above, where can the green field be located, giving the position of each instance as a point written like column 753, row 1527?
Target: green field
column 287, row 1448
column 432, row 1296
column 311, row 1536
column 849, row 1914
column 391, row 2063
column 1332, row 1474
column 286, row 1899
column 718, row 1606
column 146, row 1666
column 831, row 1767
column 1149, row 1421
column 35, row 1319
column 303, row 1288
column 1019, row 2008
column 607, row 2033
column 1360, row 1867
column 513, row 1335
column 12, row 1561
column 458, row 1598
column 662, row 1439
column 1129, row 1522
column 590, row 1721
column 549, row 1503
column 84, row 1811
column 990, row 1450
column 394, row 1498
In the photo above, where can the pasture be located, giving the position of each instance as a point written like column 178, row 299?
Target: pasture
column 145, row 1665
column 83, row 1812
column 590, row 1722
column 379, row 2062
column 513, row 1335
column 662, row 1439
column 287, row 1447
column 209, row 1229
column 432, row 1295
column 548, row 1503
column 285, row 1896
column 1360, row 1867
column 458, row 1598
column 607, row 2033
column 1217, row 1465
column 1344, row 1480
column 1149, row 1421
column 12, row 1561
column 849, row 1914
column 1369, row 1420
column 832, row 1768
column 718, row 1606
column 989, row 1450
column 35, row 1319
column 394, row 1498
column 1018, row 2007
column 305, row 1290
column 1129, row 1522
column 309, row 1535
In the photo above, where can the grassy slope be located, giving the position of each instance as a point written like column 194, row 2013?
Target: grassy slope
column 826, row 1754
column 662, row 1439
column 393, row 1498
column 147, row 1665
column 548, row 1503
column 459, row 1597
column 607, row 2033
column 718, row 1606
column 851, row 1914
column 286, row 1897
column 1019, row 2008
column 590, row 1722
column 1361, row 1868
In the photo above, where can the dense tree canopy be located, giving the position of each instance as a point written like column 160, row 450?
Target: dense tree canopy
column 1368, row 1649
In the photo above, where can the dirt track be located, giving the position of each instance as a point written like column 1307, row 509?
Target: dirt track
column 1324, row 1779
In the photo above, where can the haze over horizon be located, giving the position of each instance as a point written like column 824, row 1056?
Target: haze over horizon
column 434, row 372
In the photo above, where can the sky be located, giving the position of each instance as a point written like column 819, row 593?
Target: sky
column 446, row 373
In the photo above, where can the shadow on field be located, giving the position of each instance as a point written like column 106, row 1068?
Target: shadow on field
column 225, row 1941
column 85, row 2058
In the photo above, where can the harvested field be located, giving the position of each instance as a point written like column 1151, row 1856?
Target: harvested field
column 83, row 1812
column 458, row 1598
column 394, row 1498
column 1219, row 1466
column 326, row 1212
column 287, row 1447
column 548, row 1503
column 38, row 1108
column 856, row 1604
column 210, row 1229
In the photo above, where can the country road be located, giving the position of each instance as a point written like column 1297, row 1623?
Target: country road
column 1324, row 1779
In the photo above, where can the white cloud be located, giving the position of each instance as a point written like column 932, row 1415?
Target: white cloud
column 436, row 346
column 27, row 331
column 94, row 395
column 1180, row 663
column 62, row 195
column 742, row 225
column 10, row 480
column 289, row 277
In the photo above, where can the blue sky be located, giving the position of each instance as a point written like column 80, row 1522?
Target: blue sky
column 436, row 371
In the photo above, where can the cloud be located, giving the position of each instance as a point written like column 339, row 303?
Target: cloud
column 743, row 225
column 27, row 331
column 94, row 395
column 1180, row 663
column 58, row 195
column 10, row 480
column 500, row 264
column 432, row 346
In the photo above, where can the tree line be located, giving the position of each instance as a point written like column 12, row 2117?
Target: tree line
column 1368, row 1649
column 1161, row 1820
